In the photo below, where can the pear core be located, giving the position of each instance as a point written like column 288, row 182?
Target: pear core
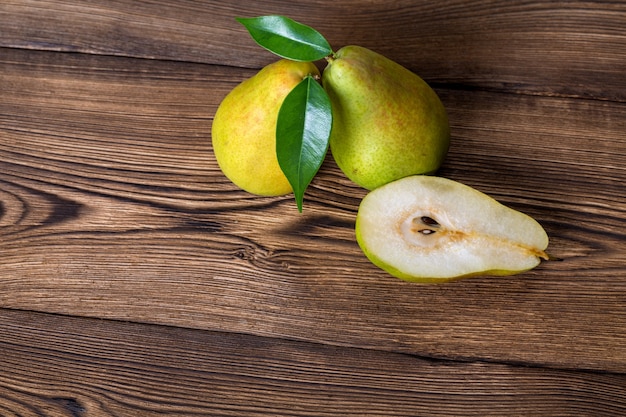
column 431, row 229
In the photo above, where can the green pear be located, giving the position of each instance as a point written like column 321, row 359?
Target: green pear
column 387, row 122
column 244, row 128
column 431, row 229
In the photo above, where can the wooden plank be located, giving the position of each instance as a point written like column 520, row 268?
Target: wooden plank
column 564, row 48
column 61, row 366
column 113, row 206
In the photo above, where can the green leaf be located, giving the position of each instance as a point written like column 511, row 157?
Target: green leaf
column 302, row 134
column 287, row 38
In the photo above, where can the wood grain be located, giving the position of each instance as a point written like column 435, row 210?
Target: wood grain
column 564, row 48
column 115, row 208
column 100, row 368
column 135, row 279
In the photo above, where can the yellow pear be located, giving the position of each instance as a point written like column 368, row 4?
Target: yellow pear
column 387, row 122
column 244, row 128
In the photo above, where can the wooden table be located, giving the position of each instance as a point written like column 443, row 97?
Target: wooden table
column 136, row 280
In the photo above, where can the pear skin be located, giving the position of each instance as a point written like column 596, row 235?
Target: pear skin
column 430, row 229
column 244, row 128
column 388, row 123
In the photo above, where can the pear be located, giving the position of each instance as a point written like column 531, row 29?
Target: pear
column 244, row 128
column 387, row 122
column 432, row 229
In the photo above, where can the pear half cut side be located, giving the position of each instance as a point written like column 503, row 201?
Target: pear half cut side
column 432, row 229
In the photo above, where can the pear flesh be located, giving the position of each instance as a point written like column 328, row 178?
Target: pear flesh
column 387, row 122
column 431, row 229
column 244, row 128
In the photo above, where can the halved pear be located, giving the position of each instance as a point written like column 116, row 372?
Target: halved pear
column 432, row 229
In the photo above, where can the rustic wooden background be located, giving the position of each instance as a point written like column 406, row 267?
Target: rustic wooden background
column 135, row 280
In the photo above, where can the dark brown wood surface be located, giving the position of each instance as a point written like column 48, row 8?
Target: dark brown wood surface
column 136, row 280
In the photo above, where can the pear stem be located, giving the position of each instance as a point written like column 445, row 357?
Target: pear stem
column 549, row 257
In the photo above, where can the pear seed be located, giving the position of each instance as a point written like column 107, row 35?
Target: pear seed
column 429, row 221
column 425, row 220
